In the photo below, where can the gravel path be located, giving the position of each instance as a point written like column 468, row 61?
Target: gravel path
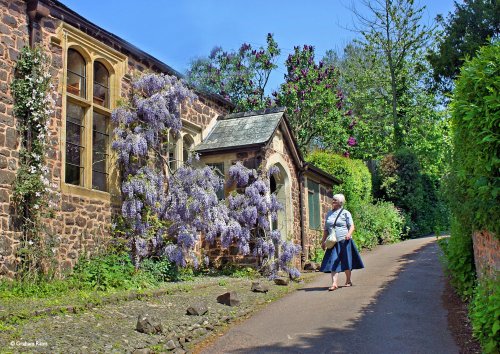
column 111, row 328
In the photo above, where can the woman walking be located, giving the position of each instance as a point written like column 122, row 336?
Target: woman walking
column 344, row 256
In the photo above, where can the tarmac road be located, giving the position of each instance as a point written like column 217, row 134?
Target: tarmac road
column 394, row 307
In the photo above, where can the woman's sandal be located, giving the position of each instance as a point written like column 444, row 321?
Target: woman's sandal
column 333, row 288
column 348, row 284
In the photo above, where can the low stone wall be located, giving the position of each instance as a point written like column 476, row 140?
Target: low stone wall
column 486, row 252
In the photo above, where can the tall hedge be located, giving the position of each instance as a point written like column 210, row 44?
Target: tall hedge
column 357, row 181
column 475, row 182
column 476, row 140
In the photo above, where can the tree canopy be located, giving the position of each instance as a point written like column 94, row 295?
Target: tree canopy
column 470, row 27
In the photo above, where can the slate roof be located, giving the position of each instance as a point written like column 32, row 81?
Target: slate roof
column 242, row 130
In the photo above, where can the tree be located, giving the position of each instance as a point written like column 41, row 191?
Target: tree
column 363, row 79
column 314, row 103
column 395, row 34
column 240, row 76
column 467, row 29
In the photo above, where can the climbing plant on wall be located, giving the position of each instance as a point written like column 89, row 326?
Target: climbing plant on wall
column 165, row 214
column 31, row 90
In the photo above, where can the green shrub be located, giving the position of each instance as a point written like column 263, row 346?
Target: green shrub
column 459, row 259
column 356, row 178
column 484, row 313
column 317, row 255
column 161, row 269
column 377, row 223
column 415, row 193
column 103, row 272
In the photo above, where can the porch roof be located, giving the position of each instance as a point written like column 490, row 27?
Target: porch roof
column 244, row 129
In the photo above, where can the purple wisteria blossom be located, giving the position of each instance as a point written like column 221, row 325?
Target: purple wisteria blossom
column 253, row 210
column 167, row 215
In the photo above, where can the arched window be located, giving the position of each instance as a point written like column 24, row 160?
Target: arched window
column 172, row 152
column 187, row 144
column 76, row 76
column 101, row 85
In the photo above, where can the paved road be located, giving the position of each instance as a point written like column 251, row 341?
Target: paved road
column 394, row 307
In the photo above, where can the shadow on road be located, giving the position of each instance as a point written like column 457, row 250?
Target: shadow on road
column 405, row 317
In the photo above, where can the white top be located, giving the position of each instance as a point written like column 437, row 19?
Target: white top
column 343, row 224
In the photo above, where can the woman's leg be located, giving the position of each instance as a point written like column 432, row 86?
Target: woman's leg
column 335, row 276
column 348, row 277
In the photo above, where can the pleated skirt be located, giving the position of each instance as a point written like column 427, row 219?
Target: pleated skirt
column 341, row 257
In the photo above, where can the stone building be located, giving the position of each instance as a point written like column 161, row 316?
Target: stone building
column 264, row 138
column 91, row 70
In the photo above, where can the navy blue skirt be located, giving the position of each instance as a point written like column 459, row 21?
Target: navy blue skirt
column 341, row 257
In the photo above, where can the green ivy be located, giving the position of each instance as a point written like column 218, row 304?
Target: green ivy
column 484, row 313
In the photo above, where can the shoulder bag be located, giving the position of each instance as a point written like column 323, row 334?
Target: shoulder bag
column 331, row 240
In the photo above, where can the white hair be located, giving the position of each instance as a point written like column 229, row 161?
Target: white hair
column 340, row 198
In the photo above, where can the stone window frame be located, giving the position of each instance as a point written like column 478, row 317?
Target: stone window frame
column 192, row 132
column 116, row 63
column 318, row 205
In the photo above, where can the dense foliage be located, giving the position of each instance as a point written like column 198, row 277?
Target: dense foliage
column 31, row 90
column 240, row 76
column 315, row 103
column 470, row 27
column 485, row 313
column 475, row 185
column 403, row 183
column 459, row 259
column 393, row 32
column 355, row 176
column 378, row 223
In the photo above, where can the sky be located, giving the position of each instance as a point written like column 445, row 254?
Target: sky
column 178, row 31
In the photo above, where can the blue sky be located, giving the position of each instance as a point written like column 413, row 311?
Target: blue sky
column 177, row 31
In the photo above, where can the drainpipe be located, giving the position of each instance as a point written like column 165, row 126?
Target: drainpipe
column 302, row 226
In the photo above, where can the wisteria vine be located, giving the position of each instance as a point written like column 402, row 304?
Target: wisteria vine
column 165, row 215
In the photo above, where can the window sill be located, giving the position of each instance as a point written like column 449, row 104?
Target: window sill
column 85, row 192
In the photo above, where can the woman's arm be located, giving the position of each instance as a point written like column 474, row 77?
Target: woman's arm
column 349, row 233
column 325, row 234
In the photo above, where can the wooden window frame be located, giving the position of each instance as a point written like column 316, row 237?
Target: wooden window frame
column 314, row 201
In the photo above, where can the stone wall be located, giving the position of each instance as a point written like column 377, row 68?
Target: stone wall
column 13, row 37
column 486, row 252
column 81, row 221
